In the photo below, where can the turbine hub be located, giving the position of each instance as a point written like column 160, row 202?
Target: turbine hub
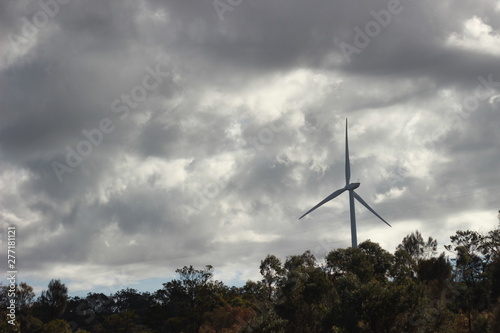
column 352, row 186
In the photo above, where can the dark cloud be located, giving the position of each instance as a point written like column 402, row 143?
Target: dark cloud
column 212, row 159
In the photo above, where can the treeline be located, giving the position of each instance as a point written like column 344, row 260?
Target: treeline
column 364, row 289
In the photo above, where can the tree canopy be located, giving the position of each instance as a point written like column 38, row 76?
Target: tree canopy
column 363, row 289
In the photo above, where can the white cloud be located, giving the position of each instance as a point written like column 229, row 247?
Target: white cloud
column 476, row 36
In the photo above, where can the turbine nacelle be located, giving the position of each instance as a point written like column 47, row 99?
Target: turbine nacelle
column 352, row 186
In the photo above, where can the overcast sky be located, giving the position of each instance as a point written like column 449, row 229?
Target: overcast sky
column 137, row 137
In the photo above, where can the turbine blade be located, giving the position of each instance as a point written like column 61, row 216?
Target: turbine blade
column 347, row 163
column 369, row 208
column 328, row 198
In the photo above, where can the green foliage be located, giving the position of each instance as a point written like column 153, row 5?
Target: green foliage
column 305, row 295
column 5, row 326
column 57, row 326
column 254, row 292
column 349, row 311
column 381, row 260
column 271, row 271
column 473, row 270
column 350, row 260
column 495, row 278
column 186, row 300
column 226, row 319
column 25, row 297
column 266, row 320
column 121, row 322
column 367, row 262
column 404, row 266
column 417, row 248
column 54, row 300
column 436, row 274
column 495, row 320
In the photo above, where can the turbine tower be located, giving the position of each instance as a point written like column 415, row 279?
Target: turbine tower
column 348, row 187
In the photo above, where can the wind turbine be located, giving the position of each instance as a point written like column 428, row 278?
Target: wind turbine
column 348, row 187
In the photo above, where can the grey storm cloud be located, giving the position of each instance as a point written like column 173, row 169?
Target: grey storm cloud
column 106, row 165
